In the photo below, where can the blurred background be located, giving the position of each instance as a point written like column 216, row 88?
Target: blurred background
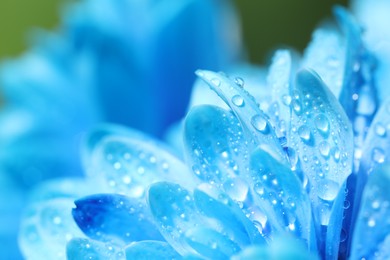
column 267, row 24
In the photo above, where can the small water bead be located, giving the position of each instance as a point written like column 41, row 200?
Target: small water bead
column 239, row 82
column 296, row 105
column 328, row 190
column 305, row 134
column 260, row 124
column 336, row 153
column 378, row 155
column 216, row 82
column 375, row 204
column 286, row 99
column 238, row 101
column 324, row 149
column 371, row 222
column 380, row 130
column 322, row 124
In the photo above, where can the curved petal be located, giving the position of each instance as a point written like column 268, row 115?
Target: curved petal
column 129, row 166
column 147, row 250
column 84, row 248
column 280, row 194
column 46, row 228
column 214, row 144
column 322, row 136
column 256, row 125
column 372, row 229
column 109, row 217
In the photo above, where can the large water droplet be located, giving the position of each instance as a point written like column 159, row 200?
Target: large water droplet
column 260, row 124
column 322, row 124
column 238, row 100
column 378, row 155
column 328, row 190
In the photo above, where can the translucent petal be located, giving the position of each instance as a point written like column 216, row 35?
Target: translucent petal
column 174, row 212
column 46, row 228
column 210, row 244
column 281, row 195
column 281, row 248
column 373, row 226
column 149, row 250
column 214, row 144
column 257, row 128
column 321, row 135
column 84, row 248
column 128, row 166
column 216, row 205
column 113, row 217
column 326, row 55
column 280, row 79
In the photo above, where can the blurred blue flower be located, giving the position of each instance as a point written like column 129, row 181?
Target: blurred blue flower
column 294, row 165
column 115, row 61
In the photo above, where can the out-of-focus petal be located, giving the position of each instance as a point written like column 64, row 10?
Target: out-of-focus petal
column 151, row 250
column 84, row 248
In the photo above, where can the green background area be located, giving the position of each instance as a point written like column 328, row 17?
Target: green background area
column 267, row 24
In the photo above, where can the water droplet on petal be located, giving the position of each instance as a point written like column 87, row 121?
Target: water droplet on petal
column 239, row 81
column 322, row 124
column 238, row 100
column 260, row 124
column 236, row 188
column 286, row 99
column 328, row 190
column 304, row 133
column 296, row 107
column 324, row 148
column 380, row 129
column 378, row 155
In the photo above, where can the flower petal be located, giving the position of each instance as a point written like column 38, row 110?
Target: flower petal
column 84, row 248
column 109, row 217
column 46, row 228
column 147, row 250
column 129, row 166
column 256, row 125
column 281, row 195
column 372, row 229
column 214, row 145
column 322, row 136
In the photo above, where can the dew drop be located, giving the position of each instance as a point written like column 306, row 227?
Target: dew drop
column 296, row 107
column 380, row 129
column 322, row 124
column 304, row 133
column 328, row 190
column 324, row 149
column 238, row 100
column 378, row 155
column 336, row 154
column 260, row 124
column 371, row 222
column 286, row 99
column 216, row 82
column 239, row 82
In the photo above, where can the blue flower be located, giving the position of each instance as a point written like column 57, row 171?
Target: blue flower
column 111, row 61
column 297, row 168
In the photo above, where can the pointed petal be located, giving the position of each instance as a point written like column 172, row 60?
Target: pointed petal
column 147, row 250
column 256, row 125
column 109, row 217
column 373, row 226
column 84, row 248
